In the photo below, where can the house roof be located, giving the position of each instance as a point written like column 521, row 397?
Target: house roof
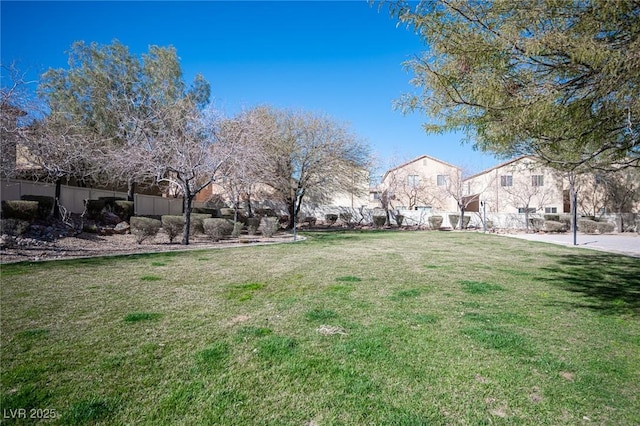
column 499, row 166
column 413, row 161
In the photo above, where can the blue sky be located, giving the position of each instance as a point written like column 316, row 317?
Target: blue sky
column 341, row 58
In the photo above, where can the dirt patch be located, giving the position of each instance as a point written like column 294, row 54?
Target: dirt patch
column 92, row 245
column 330, row 330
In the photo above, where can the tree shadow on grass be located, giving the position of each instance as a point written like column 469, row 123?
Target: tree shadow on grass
column 607, row 283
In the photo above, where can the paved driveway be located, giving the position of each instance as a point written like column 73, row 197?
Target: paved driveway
column 627, row 243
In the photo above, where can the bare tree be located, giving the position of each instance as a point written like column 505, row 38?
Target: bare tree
column 16, row 110
column 242, row 173
column 312, row 157
column 178, row 145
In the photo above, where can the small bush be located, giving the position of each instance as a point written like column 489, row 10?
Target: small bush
column 331, row 218
column 309, row 220
column 13, row 227
column 552, row 217
column 435, row 222
column 605, row 227
column 197, row 223
column 554, row 226
column 172, row 226
column 399, row 219
column 587, row 226
column 217, row 228
column 205, row 210
column 454, row 219
column 536, row 223
column 237, row 229
column 227, row 213
column 270, row 226
column 124, row 209
column 379, row 221
column 19, row 209
column 346, row 217
column 94, row 208
column 253, row 223
column 45, row 204
column 144, row 228
column 566, row 219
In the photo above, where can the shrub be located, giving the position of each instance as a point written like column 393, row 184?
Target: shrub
column 197, row 222
column 227, row 213
column 217, row 228
column 19, row 209
column 399, row 219
column 552, row 217
column 435, row 222
column 269, row 226
column 205, row 210
column 566, row 219
column 309, row 220
column 253, row 223
column 94, row 208
column 331, row 218
column 455, row 218
column 536, row 223
column 172, row 226
column 587, row 226
column 45, row 204
column 13, row 227
column 379, row 221
column 346, row 217
column 554, row 226
column 605, row 227
column 144, row 228
column 124, row 209
column 237, row 229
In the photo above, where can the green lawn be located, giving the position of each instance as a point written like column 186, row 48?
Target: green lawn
column 344, row 328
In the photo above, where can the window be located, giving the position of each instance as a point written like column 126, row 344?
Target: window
column 506, row 180
column 526, row 210
column 442, row 180
column 537, row 180
column 376, row 195
column 551, row 210
column 413, row 180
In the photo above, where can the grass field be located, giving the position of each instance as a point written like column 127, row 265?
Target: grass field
column 345, row 328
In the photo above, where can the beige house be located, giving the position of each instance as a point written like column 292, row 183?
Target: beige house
column 424, row 183
column 521, row 185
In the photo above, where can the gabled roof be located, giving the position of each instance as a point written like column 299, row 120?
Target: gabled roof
column 501, row 165
column 413, row 161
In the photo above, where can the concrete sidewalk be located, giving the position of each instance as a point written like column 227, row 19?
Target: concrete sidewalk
column 627, row 244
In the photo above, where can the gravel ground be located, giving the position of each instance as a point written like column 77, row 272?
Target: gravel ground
column 89, row 245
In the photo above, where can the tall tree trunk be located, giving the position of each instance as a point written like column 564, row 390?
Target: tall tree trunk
column 56, row 205
column 187, row 201
column 291, row 207
column 131, row 189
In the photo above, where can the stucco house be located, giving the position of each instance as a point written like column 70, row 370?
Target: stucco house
column 521, row 185
column 424, row 183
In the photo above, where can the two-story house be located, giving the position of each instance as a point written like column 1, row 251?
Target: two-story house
column 424, row 183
